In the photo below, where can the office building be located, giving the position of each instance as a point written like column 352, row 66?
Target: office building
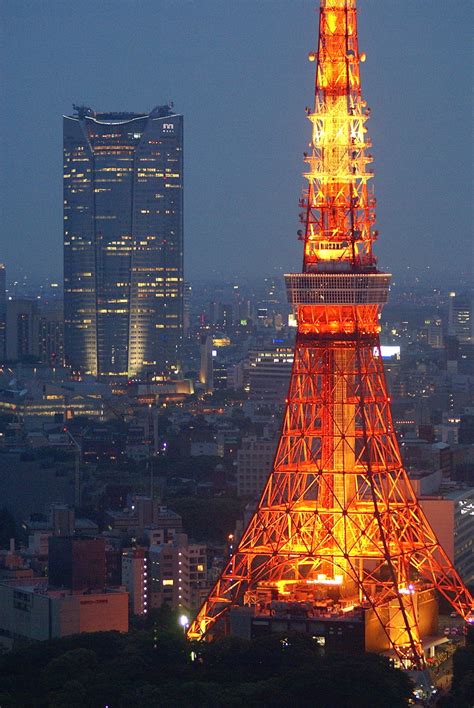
column 22, row 329
column 123, row 243
column 449, row 508
column 267, row 374
column 461, row 320
column 434, row 332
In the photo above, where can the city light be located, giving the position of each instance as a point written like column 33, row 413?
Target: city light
column 255, row 454
column 184, row 622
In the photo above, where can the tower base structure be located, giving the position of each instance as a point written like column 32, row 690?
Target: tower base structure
column 339, row 545
column 335, row 625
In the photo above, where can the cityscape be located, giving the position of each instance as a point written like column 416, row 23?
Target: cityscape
column 226, row 483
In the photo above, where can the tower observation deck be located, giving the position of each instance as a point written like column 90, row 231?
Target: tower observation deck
column 338, row 532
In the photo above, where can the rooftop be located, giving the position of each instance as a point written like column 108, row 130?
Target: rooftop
column 110, row 117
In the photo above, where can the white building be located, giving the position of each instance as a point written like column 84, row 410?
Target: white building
column 178, row 574
column 135, row 579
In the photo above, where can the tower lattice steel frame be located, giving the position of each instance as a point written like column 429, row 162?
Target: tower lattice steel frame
column 338, row 508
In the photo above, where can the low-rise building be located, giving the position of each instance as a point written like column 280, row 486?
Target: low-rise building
column 143, row 513
column 29, row 610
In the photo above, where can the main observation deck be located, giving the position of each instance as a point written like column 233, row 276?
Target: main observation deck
column 337, row 288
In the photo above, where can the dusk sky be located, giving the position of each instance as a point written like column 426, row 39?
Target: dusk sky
column 238, row 71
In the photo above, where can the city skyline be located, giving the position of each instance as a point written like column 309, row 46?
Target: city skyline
column 254, row 472
column 244, row 160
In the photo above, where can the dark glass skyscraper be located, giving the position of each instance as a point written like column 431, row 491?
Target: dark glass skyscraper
column 123, row 242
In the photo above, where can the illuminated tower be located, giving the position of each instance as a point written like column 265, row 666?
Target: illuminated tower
column 123, row 242
column 338, row 531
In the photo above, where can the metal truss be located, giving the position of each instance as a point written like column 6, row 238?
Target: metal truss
column 338, row 506
column 339, row 502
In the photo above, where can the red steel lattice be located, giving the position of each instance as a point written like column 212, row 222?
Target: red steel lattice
column 338, row 509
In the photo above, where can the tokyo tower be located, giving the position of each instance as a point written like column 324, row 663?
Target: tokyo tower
column 338, row 533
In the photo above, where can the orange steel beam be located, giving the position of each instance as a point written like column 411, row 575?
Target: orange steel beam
column 338, row 508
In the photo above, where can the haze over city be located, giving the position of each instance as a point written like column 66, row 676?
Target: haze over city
column 239, row 74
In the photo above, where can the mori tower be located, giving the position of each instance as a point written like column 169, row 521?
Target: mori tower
column 338, row 546
column 123, row 243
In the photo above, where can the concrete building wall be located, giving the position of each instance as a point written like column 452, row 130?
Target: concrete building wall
column 254, row 464
column 440, row 514
column 30, row 611
column 102, row 612
column 178, row 574
column 135, row 579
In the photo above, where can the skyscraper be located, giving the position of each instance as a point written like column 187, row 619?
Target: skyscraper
column 123, row 242
column 461, row 319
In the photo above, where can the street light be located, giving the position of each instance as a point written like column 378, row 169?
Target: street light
column 184, row 622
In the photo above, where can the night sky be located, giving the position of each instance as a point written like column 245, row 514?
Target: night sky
column 238, row 71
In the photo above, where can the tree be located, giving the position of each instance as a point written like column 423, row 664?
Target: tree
column 68, row 666
column 462, row 687
column 149, row 668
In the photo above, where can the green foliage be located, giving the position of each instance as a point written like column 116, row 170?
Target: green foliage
column 151, row 666
column 67, row 666
column 462, row 689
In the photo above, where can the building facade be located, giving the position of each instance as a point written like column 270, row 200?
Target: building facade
column 178, row 574
column 51, row 336
column 123, row 243
column 461, row 321
column 77, row 564
column 267, row 374
column 30, row 610
column 22, row 329
column 254, row 463
column 135, row 579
